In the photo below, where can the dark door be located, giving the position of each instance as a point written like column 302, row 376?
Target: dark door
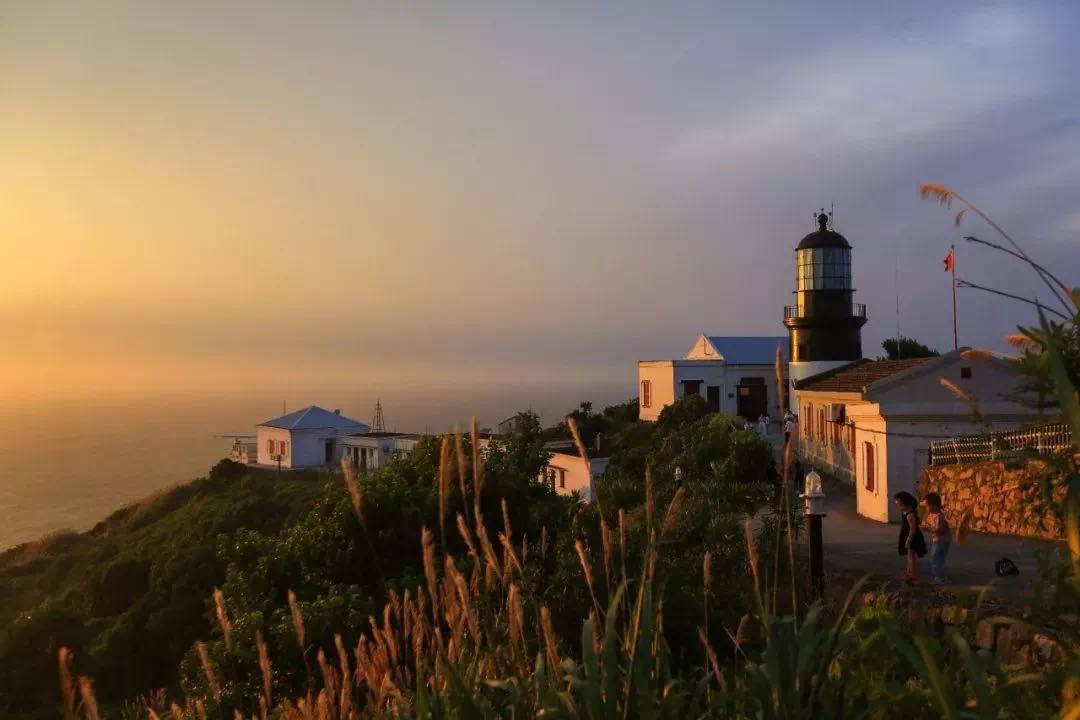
column 328, row 452
column 712, row 399
column 871, row 479
column 751, row 401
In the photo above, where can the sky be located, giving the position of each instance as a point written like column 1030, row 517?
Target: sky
column 232, row 195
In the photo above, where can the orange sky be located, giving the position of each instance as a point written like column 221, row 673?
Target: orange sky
column 254, row 193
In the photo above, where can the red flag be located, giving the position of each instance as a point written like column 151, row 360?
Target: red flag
column 950, row 261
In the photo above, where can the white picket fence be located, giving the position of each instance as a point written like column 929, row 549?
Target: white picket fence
column 1042, row 440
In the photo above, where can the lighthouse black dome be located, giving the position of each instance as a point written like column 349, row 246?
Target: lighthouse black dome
column 823, row 237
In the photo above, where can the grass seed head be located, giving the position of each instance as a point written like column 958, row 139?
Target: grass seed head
column 67, row 683
column 938, row 192
column 751, row 549
column 298, row 621
column 265, row 668
column 672, row 513
column 208, row 670
column 223, row 618
column 650, row 506
column 551, row 642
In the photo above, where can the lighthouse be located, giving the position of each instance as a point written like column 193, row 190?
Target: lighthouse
column 824, row 324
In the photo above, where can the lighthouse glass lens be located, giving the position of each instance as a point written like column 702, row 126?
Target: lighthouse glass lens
column 823, row 269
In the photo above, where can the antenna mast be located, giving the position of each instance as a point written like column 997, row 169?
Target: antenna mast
column 378, row 422
column 896, row 283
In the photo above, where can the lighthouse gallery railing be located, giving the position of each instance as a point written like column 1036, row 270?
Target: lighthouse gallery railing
column 794, row 311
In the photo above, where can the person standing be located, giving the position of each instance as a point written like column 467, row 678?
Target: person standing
column 763, row 425
column 789, row 427
column 912, row 544
column 937, row 526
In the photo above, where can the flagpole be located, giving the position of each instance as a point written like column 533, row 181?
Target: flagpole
column 955, row 334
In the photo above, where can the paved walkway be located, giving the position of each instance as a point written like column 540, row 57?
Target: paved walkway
column 855, row 543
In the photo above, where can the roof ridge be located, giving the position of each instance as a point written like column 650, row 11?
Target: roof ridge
column 302, row 415
column 860, row 375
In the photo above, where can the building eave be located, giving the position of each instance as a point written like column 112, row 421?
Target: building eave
column 832, row 394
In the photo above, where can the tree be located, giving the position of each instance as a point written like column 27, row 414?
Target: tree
column 901, row 348
column 626, row 412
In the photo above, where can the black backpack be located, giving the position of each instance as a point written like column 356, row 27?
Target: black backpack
column 1005, row 566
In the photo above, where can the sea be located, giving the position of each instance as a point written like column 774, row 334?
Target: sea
column 67, row 463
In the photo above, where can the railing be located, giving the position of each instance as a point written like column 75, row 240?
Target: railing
column 794, row 311
column 1042, row 440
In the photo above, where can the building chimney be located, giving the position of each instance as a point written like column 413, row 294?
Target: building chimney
column 337, row 411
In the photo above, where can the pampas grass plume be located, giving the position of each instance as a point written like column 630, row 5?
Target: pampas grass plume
column 67, row 684
column 223, row 618
column 298, row 621
column 937, row 191
column 208, row 670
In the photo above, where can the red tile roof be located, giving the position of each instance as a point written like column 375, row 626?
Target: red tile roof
column 857, row 375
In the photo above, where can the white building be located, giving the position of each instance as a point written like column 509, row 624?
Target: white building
column 372, row 450
column 735, row 376
column 871, row 422
column 305, row 438
column 567, row 473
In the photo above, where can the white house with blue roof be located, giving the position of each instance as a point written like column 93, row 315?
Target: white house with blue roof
column 309, row 437
column 735, row 375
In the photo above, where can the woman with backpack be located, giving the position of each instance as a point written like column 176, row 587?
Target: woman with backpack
column 912, row 544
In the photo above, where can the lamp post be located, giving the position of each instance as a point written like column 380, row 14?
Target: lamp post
column 814, row 498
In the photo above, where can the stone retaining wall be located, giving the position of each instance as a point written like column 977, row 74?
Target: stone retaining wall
column 997, row 496
column 1016, row 643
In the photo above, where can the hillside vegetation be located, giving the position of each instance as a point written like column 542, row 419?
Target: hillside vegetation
column 130, row 594
column 133, row 597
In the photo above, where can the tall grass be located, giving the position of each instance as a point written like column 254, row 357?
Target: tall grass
column 474, row 640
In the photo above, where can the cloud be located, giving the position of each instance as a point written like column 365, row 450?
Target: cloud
column 879, row 93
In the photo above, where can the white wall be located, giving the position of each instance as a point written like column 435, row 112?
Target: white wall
column 306, row 448
column 660, row 374
column 709, row 372
column 263, row 434
column 870, row 429
column 571, row 475
column 923, row 393
column 667, row 378
column 702, row 350
column 381, row 449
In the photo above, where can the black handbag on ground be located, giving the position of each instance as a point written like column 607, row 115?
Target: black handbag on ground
column 1005, row 566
